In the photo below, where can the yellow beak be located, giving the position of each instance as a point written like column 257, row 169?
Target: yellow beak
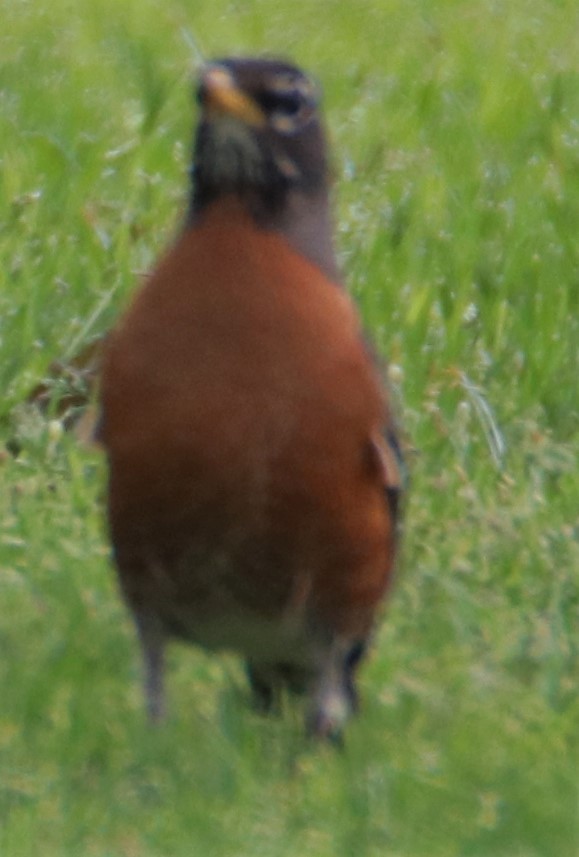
column 222, row 95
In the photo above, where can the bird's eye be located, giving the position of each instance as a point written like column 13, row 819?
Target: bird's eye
column 287, row 103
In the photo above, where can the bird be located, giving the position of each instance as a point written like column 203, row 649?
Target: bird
column 254, row 464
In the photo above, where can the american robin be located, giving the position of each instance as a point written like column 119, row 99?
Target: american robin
column 253, row 462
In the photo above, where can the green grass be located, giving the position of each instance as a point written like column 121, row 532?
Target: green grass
column 456, row 148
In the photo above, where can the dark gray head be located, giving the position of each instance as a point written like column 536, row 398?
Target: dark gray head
column 260, row 138
column 259, row 134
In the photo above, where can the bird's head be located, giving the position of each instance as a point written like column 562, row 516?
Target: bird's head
column 259, row 135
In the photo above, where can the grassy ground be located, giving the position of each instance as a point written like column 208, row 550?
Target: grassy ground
column 456, row 137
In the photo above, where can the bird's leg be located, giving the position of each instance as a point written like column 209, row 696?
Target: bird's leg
column 152, row 639
column 333, row 697
column 263, row 691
